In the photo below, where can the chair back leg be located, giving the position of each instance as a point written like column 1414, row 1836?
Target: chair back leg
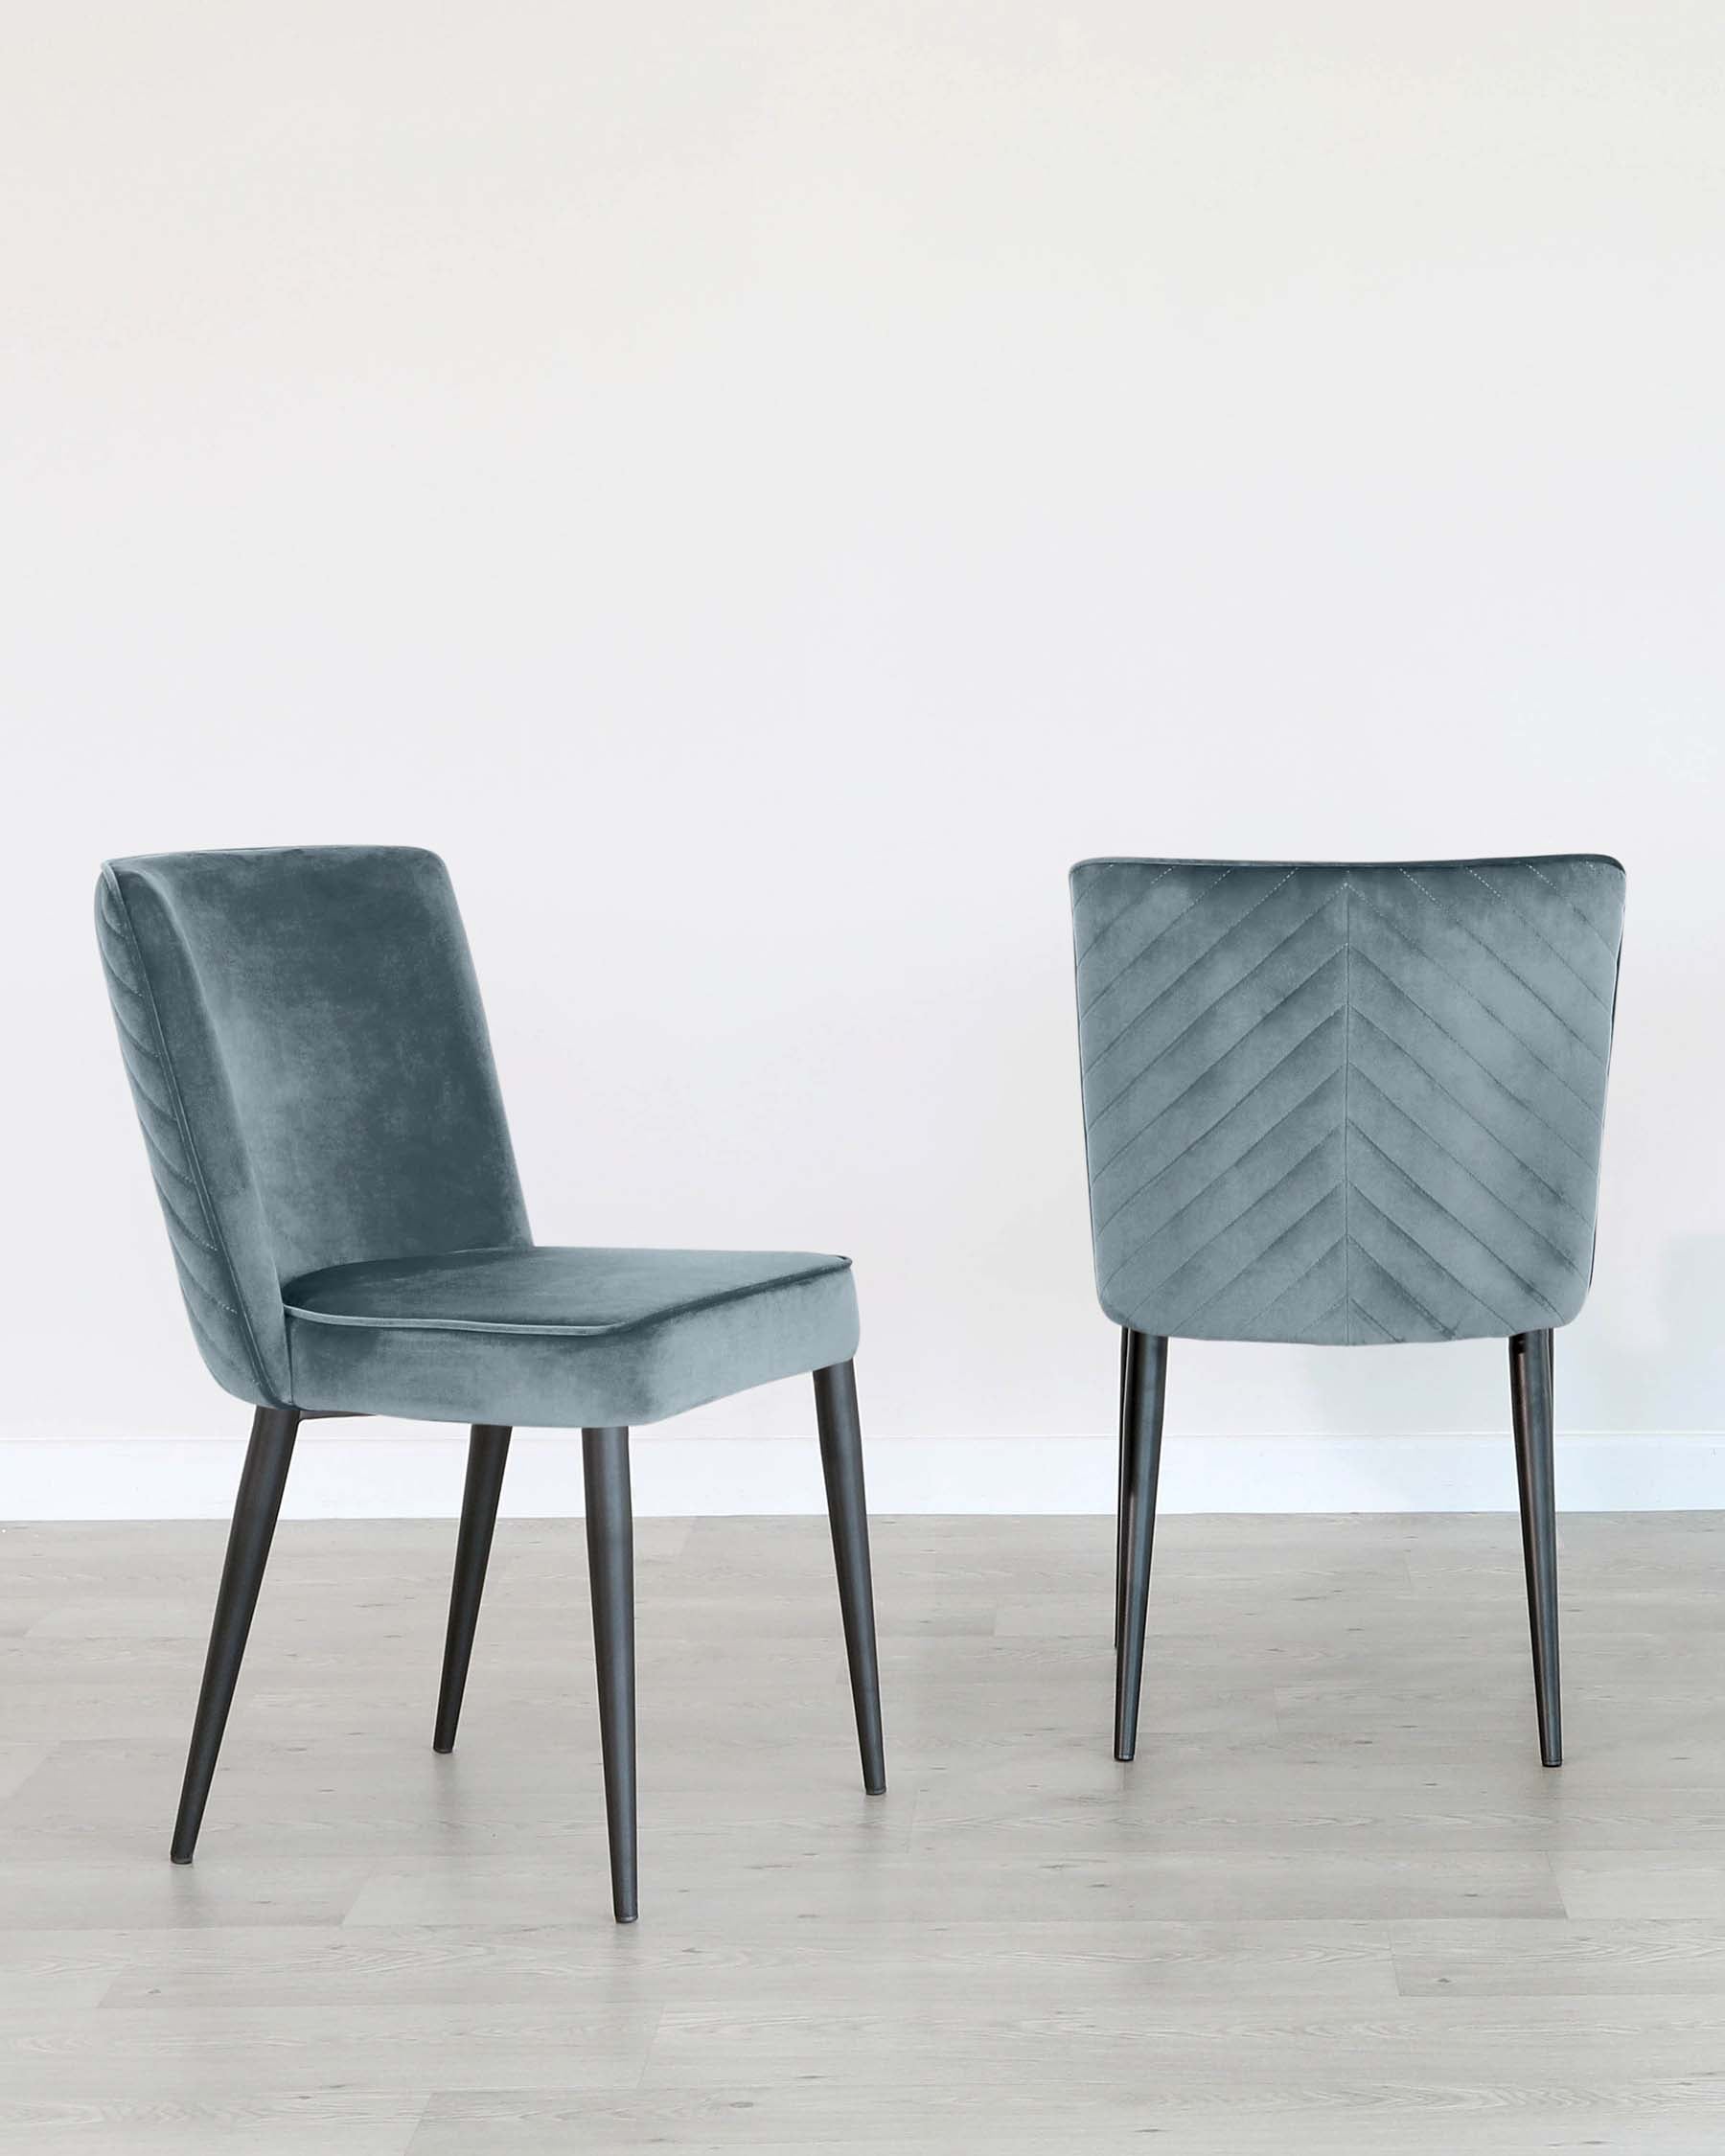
column 488, row 1454
column 1143, row 1388
column 1121, row 1500
column 610, row 1572
column 256, row 1508
column 1532, row 1403
column 847, row 1514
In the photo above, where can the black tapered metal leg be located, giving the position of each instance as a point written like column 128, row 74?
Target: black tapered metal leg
column 1120, row 1504
column 488, row 1454
column 262, row 1482
column 847, row 1511
column 1143, row 1390
column 610, row 1570
column 1531, row 1401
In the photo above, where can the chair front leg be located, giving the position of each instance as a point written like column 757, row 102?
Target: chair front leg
column 610, row 1572
column 256, row 1508
column 488, row 1454
column 847, row 1513
column 1531, row 1395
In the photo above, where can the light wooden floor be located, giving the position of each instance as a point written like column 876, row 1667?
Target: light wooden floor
column 1336, row 1907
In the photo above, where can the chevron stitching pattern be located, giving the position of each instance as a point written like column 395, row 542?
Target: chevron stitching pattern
column 1345, row 1104
column 206, row 1280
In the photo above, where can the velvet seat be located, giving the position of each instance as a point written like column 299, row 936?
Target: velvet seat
column 561, row 1336
column 1349, row 1104
column 309, row 1064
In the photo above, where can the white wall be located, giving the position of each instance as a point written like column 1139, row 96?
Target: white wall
column 762, row 488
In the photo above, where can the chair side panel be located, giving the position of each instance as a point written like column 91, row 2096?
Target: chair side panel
column 247, row 1360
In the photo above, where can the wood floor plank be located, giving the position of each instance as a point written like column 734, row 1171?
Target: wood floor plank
column 73, row 1893
column 158, row 2052
column 1642, row 1883
column 335, row 2123
column 1683, row 1957
column 1338, row 2111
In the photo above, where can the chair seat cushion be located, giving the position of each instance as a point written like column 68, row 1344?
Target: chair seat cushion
column 562, row 1337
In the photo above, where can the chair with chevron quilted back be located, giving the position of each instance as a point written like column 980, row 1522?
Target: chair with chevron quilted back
column 1348, row 1104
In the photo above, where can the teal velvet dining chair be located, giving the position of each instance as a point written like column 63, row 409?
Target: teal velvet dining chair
column 310, row 1066
column 1344, row 1104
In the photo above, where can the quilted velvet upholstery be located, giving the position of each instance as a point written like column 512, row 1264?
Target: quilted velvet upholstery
column 1344, row 1103
column 309, row 1057
column 219, row 1308
column 521, row 1336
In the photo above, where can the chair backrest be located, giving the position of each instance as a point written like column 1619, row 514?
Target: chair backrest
column 1330, row 1102
column 310, row 1061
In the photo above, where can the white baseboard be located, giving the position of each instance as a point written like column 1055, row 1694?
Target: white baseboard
column 340, row 1473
